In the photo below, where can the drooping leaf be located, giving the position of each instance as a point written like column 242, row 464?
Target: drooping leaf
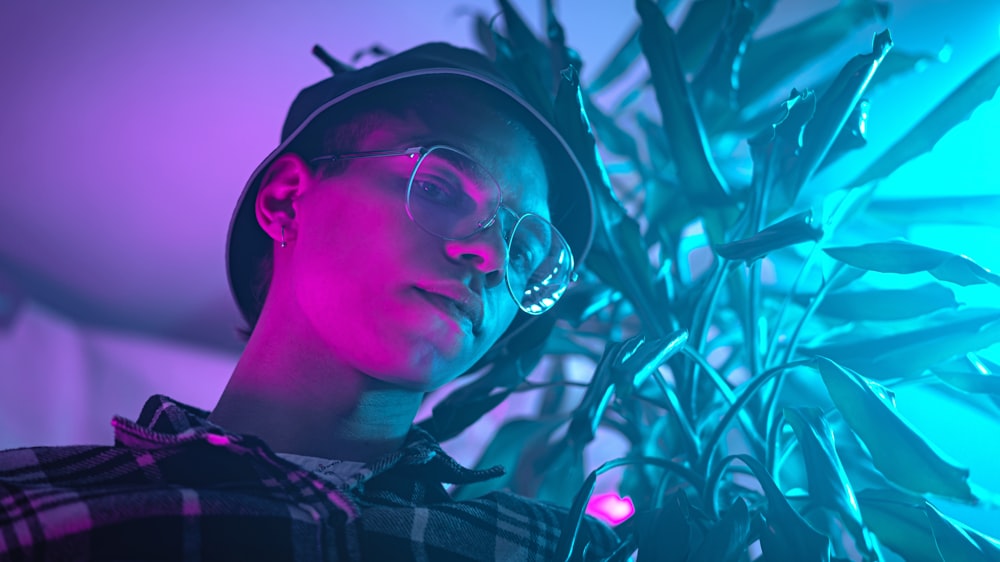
column 897, row 448
column 907, row 353
column 885, row 304
column 972, row 374
column 715, row 85
column 853, row 136
column 793, row 230
column 619, row 255
column 726, row 540
column 977, row 89
column 898, row 521
column 772, row 60
column 484, row 35
column 561, row 56
column 915, row 529
column 524, row 66
column 587, row 415
column 775, row 152
column 836, row 104
column 647, row 356
column 689, row 146
column 829, row 486
column 524, row 41
column 899, row 256
column 787, row 536
column 978, row 383
column 974, row 210
column 955, row 542
column 696, row 34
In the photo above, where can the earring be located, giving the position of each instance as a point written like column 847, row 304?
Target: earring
column 283, row 243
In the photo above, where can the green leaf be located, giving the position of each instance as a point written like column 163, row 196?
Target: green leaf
column 776, row 58
column 974, row 210
column 954, row 542
column 793, row 230
column 524, row 41
column 695, row 35
column 899, row 256
column 829, row 486
column 887, row 304
column 726, row 540
column 647, row 356
column 977, row 89
column 915, row 529
column 897, row 519
column 775, row 152
column 715, row 85
column 897, row 448
column 521, row 61
column 787, row 536
column 689, row 146
column 977, row 383
column 587, row 415
column 908, row 353
column 619, row 256
column 837, row 103
column 852, row 137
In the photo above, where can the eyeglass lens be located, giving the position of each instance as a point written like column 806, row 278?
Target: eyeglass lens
column 452, row 196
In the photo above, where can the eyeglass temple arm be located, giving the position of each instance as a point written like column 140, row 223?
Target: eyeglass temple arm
column 411, row 152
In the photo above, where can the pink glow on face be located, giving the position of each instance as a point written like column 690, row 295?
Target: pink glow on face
column 610, row 508
column 363, row 283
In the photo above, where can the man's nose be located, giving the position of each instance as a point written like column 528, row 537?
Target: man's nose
column 486, row 251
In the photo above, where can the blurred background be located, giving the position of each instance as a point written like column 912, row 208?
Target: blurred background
column 129, row 128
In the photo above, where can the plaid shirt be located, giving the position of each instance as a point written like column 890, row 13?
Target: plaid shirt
column 178, row 487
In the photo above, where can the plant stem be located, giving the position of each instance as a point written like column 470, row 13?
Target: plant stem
column 741, row 400
column 700, row 322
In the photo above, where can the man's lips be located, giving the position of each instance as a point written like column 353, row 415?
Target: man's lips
column 457, row 304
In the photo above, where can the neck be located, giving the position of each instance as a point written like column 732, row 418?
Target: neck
column 302, row 401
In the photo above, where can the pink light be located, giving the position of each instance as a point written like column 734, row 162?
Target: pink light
column 610, row 508
column 216, row 439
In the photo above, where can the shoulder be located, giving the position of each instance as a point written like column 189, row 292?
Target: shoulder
column 528, row 520
column 45, row 464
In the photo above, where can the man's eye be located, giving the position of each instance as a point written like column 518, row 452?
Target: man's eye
column 523, row 258
column 435, row 191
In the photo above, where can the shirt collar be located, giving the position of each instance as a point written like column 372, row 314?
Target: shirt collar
column 165, row 422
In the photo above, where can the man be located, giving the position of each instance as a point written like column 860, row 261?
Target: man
column 417, row 215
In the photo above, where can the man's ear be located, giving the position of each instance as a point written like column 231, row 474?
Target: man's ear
column 283, row 183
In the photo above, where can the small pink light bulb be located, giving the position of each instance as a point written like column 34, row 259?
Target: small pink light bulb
column 610, row 508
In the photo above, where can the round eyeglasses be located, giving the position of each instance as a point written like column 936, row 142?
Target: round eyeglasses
column 453, row 197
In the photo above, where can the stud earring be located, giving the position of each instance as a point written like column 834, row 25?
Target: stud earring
column 283, row 243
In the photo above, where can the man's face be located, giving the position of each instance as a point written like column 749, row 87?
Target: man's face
column 384, row 296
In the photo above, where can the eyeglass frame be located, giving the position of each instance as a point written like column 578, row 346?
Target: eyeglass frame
column 420, row 152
